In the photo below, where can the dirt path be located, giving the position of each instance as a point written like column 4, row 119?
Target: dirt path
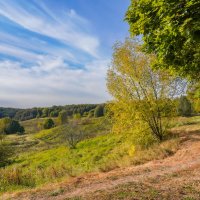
column 176, row 177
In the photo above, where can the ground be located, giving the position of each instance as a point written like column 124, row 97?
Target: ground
column 175, row 177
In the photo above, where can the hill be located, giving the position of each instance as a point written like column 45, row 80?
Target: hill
column 43, row 156
column 174, row 177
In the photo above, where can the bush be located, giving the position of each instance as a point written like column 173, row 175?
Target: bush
column 9, row 126
column 99, row 111
column 73, row 134
column 62, row 117
column 49, row 123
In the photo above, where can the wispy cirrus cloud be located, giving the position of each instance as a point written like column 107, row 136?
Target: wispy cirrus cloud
column 48, row 56
column 67, row 27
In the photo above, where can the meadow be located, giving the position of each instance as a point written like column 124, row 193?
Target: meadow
column 43, row 156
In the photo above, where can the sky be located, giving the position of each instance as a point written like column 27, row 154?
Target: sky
column 57, row 52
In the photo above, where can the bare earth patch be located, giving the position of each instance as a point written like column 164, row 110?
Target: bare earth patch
column 175, row 177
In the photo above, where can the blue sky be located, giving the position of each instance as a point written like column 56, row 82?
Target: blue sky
column 57, row 52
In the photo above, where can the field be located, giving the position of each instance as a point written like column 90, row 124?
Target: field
column 43, row 157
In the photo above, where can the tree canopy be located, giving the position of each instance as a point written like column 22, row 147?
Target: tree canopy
column 143, row 98
column 171, row 30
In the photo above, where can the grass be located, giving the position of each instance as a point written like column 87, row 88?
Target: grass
column 180, row 121
column 127, row 191
column 102, row 153
column 50, row 159
column 33, row 125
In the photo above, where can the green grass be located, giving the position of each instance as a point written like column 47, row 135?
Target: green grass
column 50, row 159
column 101, row 153
column 32, row 126
column 180, row 121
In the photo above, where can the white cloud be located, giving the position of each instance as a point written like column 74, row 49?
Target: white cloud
column 27, row 87
column 66, row 71
column 68, row 28
column 18, row 53
column 12, row 45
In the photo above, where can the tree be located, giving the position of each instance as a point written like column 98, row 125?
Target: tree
column 184, row 107
column 48, row 123
column 142, row 97
column 54, row 114
column 99, row 111
column 62, row 117
column 9, row 126
column 73, row 134
column 171, row 30
column 14, row 127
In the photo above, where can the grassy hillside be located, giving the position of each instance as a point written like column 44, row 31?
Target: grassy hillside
column 32, row 126
column 44, row 156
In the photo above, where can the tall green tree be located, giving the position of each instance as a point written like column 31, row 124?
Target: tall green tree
column 171, row 30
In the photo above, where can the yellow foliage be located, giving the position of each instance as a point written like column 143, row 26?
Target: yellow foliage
column 143, row 98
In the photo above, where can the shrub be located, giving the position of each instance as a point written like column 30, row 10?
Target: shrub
column 73, row 134
column 49, row 123
column 10, row 126
column 99, row 111
column 62, row 117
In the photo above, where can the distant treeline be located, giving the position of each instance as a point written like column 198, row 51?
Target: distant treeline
column 26, row 114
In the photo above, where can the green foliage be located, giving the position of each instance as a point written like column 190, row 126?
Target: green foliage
column 62, row 117
column 48, row 123
column 9, row 126
column 143, row 98
column 27, row 114
column 184, row 107
column 8, row 112
column 54, row 114
column 171, row 30
column 99, row 111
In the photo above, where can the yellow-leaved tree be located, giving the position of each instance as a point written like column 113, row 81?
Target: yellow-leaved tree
column 143, row 98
